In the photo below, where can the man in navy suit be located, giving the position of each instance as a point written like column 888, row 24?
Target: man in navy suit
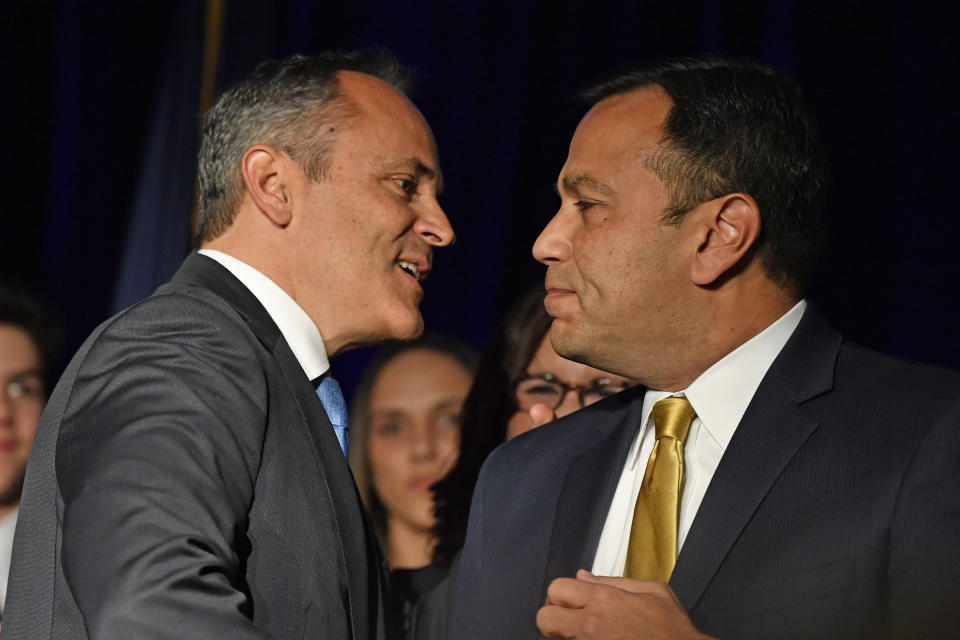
column 769, row 480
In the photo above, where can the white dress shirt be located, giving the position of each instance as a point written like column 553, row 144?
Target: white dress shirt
column 296, row 326
column 7, row 526
column 720, row 397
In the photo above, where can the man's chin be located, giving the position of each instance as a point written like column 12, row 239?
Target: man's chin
column 568, row 340
column 407, row 326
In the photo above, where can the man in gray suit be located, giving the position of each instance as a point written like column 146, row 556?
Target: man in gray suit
column 771, row 480
column 187, row 481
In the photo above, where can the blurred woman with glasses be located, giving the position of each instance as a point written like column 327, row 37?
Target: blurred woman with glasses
column 562, row 385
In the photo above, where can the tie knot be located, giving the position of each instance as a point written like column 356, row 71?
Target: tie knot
column 672, row 418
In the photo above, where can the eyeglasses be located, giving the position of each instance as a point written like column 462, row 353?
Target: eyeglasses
column 549, row 390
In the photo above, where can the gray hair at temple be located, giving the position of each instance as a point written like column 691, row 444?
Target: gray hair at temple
column 294, row 105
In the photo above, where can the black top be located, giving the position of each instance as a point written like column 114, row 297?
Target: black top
column 411, row 588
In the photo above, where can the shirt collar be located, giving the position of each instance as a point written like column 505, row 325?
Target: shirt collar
column 296, row 326
column 722, row 393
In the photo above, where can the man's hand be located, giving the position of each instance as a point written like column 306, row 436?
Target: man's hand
column 597, row 608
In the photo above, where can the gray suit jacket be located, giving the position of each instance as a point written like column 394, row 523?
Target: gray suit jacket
column 185, row 482
column 834, row 512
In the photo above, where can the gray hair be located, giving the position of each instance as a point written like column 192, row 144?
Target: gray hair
column 294, row 105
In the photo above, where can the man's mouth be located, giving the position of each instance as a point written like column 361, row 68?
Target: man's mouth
column 410, row 268
column 556, row 289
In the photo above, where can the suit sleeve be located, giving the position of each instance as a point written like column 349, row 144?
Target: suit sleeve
column 924, row 578
column 157, row 460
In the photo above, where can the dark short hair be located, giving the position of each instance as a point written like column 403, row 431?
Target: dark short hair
column 738, row 126
column 360, row 408
column 293, row 104
column 486, row 411
column 22, row 310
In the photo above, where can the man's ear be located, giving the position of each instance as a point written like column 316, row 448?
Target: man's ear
column 265, row 172
column 726, row 229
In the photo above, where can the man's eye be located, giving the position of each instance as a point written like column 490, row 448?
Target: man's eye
column 583, row 205
column 406, row 185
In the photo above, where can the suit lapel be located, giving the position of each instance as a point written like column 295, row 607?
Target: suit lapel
column 772, row 430
column 765, row 441
column 199, row 270
column 342, row 492
column 588, row 488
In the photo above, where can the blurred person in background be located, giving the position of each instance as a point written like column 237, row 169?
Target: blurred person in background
column 29, row 339
column 405, row 426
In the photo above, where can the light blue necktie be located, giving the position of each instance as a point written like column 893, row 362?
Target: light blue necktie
column 331, row 397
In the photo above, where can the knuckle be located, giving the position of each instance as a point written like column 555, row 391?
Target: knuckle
column 604, row 596
column 552, row 590
column 591, row 625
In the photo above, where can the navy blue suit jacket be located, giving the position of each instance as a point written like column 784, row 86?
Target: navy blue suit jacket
column 834, row 512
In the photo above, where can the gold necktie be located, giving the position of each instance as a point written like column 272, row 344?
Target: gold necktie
column 652, row 551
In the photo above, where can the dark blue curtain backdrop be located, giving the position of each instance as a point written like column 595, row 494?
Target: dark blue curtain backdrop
column 100, row 108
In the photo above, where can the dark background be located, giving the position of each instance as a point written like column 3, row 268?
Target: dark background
column 100, row 103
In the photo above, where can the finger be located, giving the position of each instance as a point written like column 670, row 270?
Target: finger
column 567, row 592
column 557, row 622
column 654, row 587
column 541, row 414
column 627, row 584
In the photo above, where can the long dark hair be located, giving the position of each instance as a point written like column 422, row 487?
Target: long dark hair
column 486, row 411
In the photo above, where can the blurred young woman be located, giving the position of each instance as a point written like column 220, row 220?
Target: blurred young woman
column 405, row 436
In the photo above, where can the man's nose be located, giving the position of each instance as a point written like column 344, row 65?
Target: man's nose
column 553, row 244
column 433, row 226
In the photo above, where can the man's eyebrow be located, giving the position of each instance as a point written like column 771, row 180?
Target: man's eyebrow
column 574, row 183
